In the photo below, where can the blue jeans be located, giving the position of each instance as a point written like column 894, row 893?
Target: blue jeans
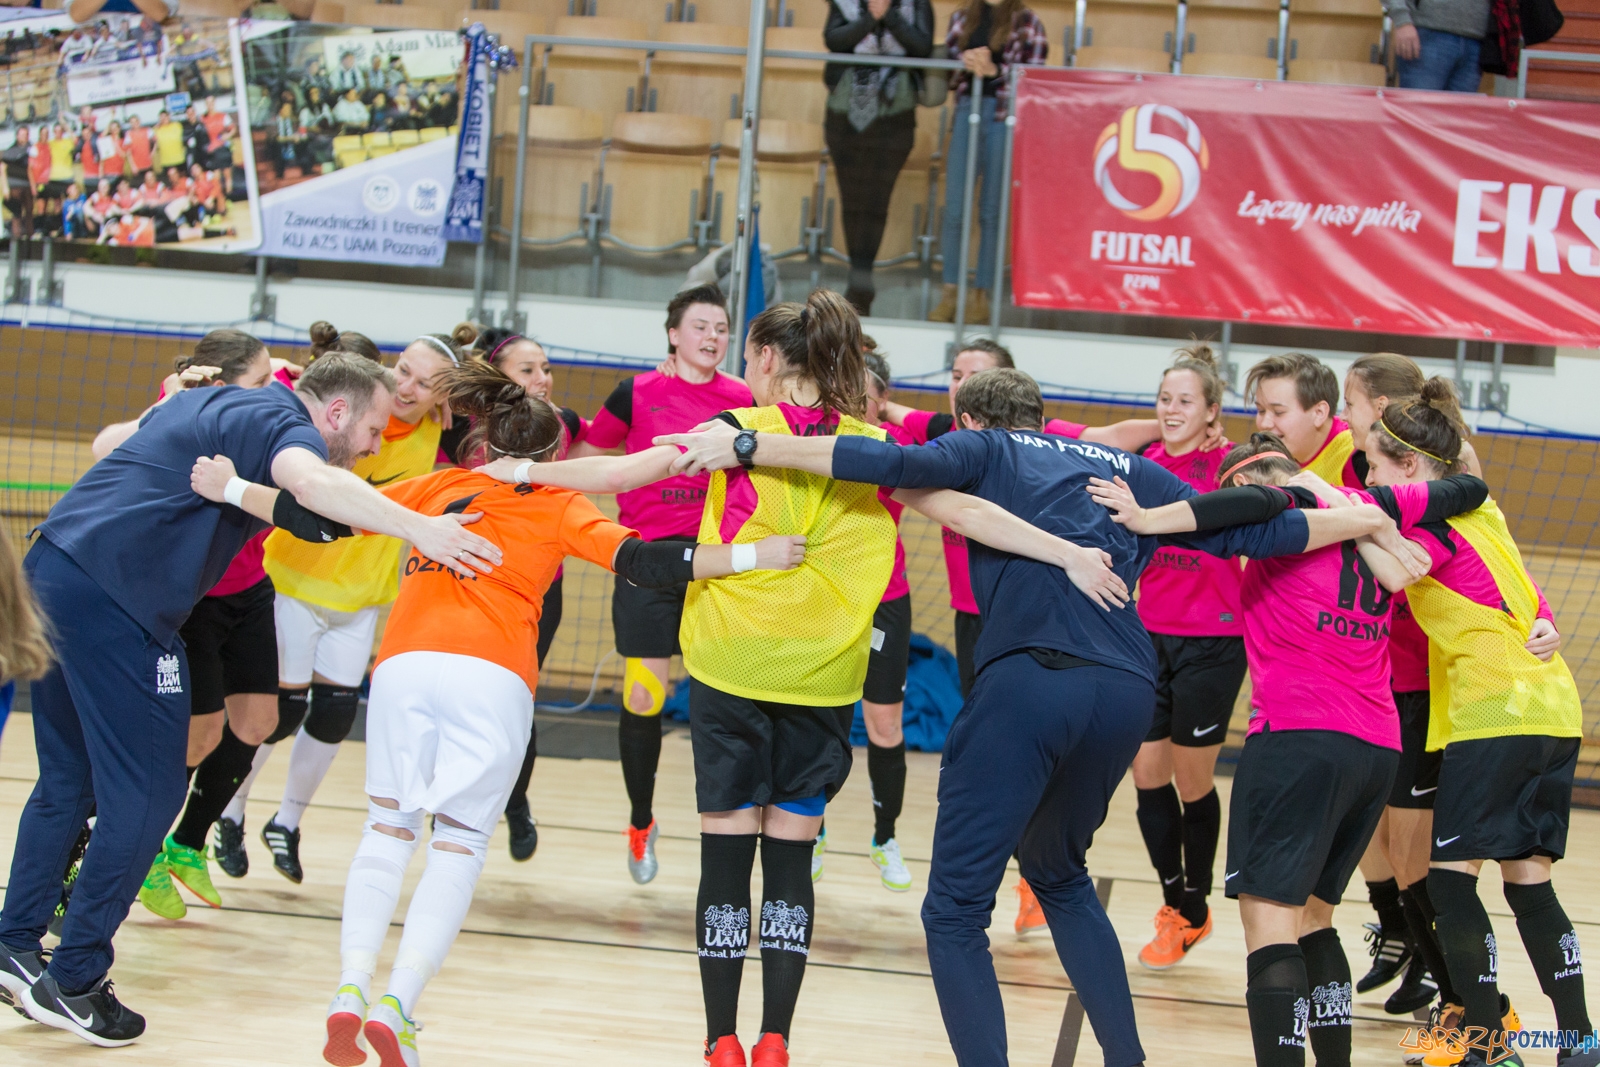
column 1447, row 61
column 991, row 159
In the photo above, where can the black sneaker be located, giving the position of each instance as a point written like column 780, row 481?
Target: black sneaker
column 524, row 832
column 285, row 846
column 1416, row 990
column 19, row 971
column 96, row 1016
column 1578, row 1058
column 1390, row 955
column 229, row 848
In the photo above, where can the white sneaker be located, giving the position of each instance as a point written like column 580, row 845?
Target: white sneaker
column 891, row 868
column 392, row 1036
column 346, row 1016
column 642, row 863
column 816, row 854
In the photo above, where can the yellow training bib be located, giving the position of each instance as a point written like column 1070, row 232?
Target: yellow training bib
column 1329, row 463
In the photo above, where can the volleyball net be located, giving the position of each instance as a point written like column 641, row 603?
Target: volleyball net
column 77, row 373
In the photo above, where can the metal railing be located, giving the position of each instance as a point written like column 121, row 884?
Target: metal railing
column 1543, row 55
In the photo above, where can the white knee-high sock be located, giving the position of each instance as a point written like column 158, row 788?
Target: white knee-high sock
column 309, row 761
column 235, row 809
column 438, row 908
column 371, row 894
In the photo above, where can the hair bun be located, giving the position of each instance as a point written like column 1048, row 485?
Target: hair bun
column 1197, row 352
column 324, row 334
column 465, row 334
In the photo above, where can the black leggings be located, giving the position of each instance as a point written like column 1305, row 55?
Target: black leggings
column 549, row 623
column 867, row 163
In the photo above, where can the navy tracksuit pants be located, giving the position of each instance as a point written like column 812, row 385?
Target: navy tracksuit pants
column 1030, row 766
column 111, row 724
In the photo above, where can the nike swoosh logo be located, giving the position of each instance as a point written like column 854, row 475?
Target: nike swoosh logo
column 1227, row 876
column 1169, row 881
column 1201, row 733
column 381, row 481
column 85, row 1023
column 1440, row 844
column 1422, row 792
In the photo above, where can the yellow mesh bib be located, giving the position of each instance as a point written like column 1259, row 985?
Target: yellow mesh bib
column 1483, row 682
column 800, row 636
column 356, row 572
column 1329, row 463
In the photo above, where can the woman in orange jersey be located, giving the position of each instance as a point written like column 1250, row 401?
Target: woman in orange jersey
column 452, row 693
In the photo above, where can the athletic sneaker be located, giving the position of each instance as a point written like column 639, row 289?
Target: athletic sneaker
column 188, row 866
column 727, row 1052
column 891, row 868
column 96, row 1016
column 69, row 881
column 1030, row 917
column 642, row 862
column 19, row 971
column 1390, row 955
column 1416, row 990
column 817, row 851
column 346, row 1016
column 392, row 1036
column 229, row 848
column 1453, row 1017
column 159, row 895
column 1576, row 1058
column 1175, row 936
column 524, row 831
column 285, row 846
column 770, row 1051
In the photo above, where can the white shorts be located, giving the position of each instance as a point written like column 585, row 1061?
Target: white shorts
column 446, row 733
column 334, row 644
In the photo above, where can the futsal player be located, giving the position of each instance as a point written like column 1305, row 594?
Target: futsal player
column 111, row 718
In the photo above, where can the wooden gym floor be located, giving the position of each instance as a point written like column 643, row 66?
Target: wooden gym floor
column 564, row 960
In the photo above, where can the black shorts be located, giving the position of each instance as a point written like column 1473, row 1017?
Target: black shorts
column 1416, row 781
column 1504, row 798
column 1304, row 805
column 969, row 628
column 54, row 190
column 233, row 647
column 759, row 752
column 646, row 621
column 1197, row 683
column 886, row 664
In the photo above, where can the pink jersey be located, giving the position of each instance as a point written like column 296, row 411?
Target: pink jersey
column 637, row 411
column 923, row 426
column 1184, row 592
column 1457, row 566
column 899, row 585
column 1408, row 650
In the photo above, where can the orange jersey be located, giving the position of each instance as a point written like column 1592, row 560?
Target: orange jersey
column 492, row 616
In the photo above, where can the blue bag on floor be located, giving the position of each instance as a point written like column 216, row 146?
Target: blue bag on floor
column 933, row 697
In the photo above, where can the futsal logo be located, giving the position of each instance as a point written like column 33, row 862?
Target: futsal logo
column 727, row 931
column 169, row 677
column 1332, row 1002
column 784, row 927
column 1573, row 957
column 1494, row 960
column 1302, row 1017
column 1134, row 144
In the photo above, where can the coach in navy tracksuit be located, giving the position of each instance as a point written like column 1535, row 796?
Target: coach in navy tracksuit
column 1064, row 693
column 120, row 562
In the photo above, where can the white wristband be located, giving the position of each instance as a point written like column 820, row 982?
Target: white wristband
column 522, row 472
column 744, row 558
column 233, row 492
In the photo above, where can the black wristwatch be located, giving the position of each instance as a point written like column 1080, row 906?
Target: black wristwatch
column 744, row 448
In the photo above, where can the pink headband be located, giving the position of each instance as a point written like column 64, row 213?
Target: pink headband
column 496, row 350
column 1231, row 471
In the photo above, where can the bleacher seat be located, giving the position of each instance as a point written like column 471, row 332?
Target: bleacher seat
column 222, row 9
column 649, row 12
column 563, row 169
column 1339, row 72
column 717, row 12
column 398, row 16
column 349, row 142
column 1223, row 65
column 788, row 157
column 329, row 11
column 1239, row 38
column 404, row 138
column 600, row 79
column 799, row 14
column 1128, row 35
column 432, row 133
column 549, row 10
column 1129, row 60
column 656, row 176
column 1057, row 16
column 684, row 83
column 351, row 156
column 793, row 89
column 1326, row 31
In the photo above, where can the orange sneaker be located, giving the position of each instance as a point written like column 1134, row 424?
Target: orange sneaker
column 727, row 1052
column 1030, row 917
column 770, row 1051
column 1175, row 936
column 1451, row 1018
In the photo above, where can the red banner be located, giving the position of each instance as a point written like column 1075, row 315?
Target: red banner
column 1444, row 214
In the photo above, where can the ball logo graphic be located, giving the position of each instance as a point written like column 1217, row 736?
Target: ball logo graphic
column 1176, row 162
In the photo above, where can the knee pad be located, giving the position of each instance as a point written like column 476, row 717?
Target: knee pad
column 333, row 712
column 634, row 671
column 291, row 713
column 474, row 841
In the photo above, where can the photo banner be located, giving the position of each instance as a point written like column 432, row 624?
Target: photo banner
column 1438, row 214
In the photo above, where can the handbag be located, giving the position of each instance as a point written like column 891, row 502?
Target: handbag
column 935, row 85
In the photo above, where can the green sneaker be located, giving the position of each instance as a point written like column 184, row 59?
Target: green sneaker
column 817, row 851
column 188, row 865
column 159, row 894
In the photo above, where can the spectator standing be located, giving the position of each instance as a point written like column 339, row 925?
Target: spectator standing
column 989, row 37
column 348, row 76
column 19, row 184
column 87, row 149
column 141, row 148
column 872, row 120
column 287, row 137
column 111, row 149
column 1436, row 45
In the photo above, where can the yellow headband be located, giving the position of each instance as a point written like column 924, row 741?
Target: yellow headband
column 1414, row 448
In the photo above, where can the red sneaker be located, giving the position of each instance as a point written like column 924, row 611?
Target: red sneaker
column 770, row 1051
column 727, row 1052
column 1030, row 917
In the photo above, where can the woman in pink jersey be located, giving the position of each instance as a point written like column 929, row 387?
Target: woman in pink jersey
column 646, row 621
column 1189, row 601
column 1322, row 746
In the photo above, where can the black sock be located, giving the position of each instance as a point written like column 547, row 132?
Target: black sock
column 215, row 781
column 1552, row 946
column 788, row 912
column 1385, row 897
column 1419, row 917
column 1202, row 825
column 723, row 928
column 1328, row 974
column 518, row 801
column 886, row 771
column 1278, row 1000
column 1467, row 941
column 639, row 742
column 1161, row 823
